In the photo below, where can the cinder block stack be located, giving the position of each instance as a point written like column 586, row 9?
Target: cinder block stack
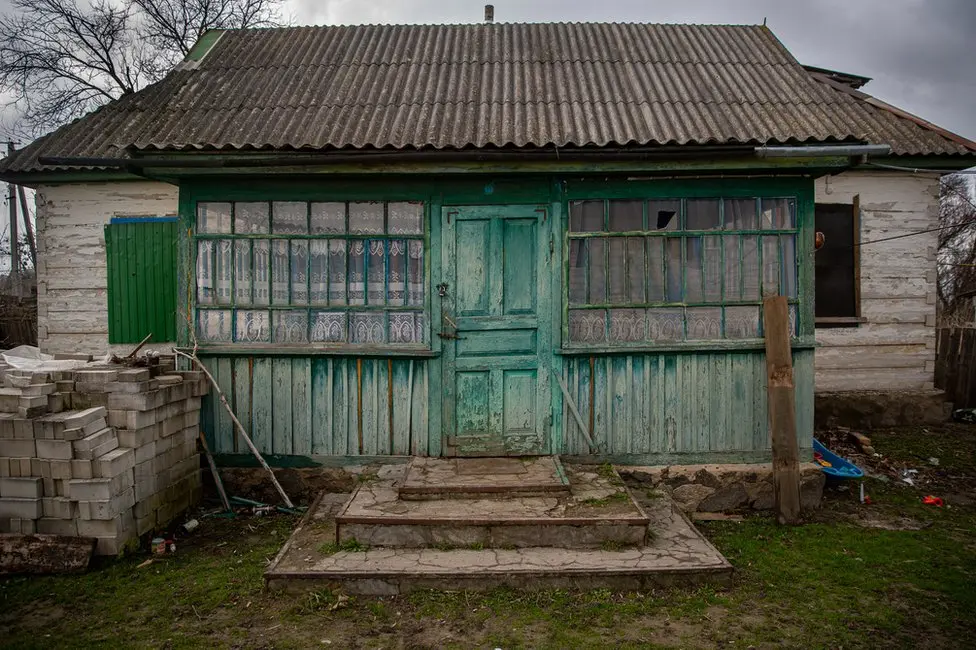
column 121, row 463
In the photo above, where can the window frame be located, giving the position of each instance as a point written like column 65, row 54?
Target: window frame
column 385, row 348
column 832, row 322
column 800, row 190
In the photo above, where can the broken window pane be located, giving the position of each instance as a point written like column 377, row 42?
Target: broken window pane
column 740, row 214
column 213, row 218
column 327, row 218
column 251, row 218
column 253, row 326
column 626, row 216
column 702, row 214
column 778, row 213
column 586, row 216
column 406, row 218
column 664, row 215
column 289, row 218
column 366, row 218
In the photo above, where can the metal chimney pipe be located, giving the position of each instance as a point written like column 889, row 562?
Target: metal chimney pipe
column 489, row 14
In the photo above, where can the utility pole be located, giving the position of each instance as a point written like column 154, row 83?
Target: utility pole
column 28, row 230
column 14, row 236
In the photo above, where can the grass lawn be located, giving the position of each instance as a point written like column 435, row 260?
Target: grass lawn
column 896, row 573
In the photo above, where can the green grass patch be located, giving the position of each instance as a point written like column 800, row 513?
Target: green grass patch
column 350, row 545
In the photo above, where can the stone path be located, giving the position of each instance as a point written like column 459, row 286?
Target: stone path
column 456, row 477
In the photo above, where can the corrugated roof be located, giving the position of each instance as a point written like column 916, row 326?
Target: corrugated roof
column 489, row 85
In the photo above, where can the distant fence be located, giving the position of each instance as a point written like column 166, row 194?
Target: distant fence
column 18, row 321
column 955, row 364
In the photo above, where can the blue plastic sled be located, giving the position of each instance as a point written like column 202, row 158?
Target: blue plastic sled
column 840, row 468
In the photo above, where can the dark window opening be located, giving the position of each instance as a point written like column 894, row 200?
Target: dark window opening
column 837, row 301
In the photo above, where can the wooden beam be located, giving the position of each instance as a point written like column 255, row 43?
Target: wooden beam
column 782, row 409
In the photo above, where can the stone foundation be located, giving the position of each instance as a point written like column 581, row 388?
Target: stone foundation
column 874, row 409
column 723, row 488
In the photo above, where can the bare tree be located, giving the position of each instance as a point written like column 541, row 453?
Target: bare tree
column 60, row 59
column 956, row 284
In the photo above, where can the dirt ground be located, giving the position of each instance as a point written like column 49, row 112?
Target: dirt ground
column 894, row 573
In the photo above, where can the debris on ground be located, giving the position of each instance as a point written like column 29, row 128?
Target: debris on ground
column 932, row 501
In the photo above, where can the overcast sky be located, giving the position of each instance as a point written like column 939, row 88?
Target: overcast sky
column 919, row 53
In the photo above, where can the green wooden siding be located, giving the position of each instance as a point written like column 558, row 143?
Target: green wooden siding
column 321, row 406
column 140, row 256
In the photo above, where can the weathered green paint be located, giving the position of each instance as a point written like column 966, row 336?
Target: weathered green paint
column 673, row 402
column 497, row 395
column 141, row 272
column 298, row 407
column 203, row 45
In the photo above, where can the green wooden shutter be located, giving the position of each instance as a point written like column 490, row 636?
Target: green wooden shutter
column 140, row 255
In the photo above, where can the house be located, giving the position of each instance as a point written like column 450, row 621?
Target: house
column 497, row 238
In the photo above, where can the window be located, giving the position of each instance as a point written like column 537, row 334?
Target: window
column 292, row 272
column 666, row 270
column 838, row 299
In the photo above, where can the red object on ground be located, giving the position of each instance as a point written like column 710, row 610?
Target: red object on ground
column 932, row 501
column 867, row 500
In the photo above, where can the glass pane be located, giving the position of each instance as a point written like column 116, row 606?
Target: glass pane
column 406, row 218
column 262, row 272
column 289, row 217
column 242, row 272
column 357, row 272
column 251, row 218
column 587, row 326
column 635, row 270
column 396, row 290
column 673, row 259
column 586, row 216
column 665, row 324
column 712, row 261
column 627, row 325
column 213, row 217
column 704, row 323
column 778, row 213
column 223, row 270
column 368, row 327
column 376, row 273
column 771, row 266
column 732, row 277
column 327, row 218
column 406, row 327
column 626, row 216
column 626, row 270
column 655, row 269
column 318, row 272
column 290, row 326
column 750, row 267
column 598, row 271
column 740, row 214
column 366, row 218
column 329, row 327
column 577, row 271
column 618, row 270
column 337, row 272
column 788, row 281
column 742, row 322
column 694, row 291
column 702, row 214
column 415, row 272
column 279, row 272
column 214, row 325
column 299, row 272
column 205, row 274
column 664, row 215
column 253, row 326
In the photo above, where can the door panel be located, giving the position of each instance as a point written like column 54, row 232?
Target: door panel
column 495, row 331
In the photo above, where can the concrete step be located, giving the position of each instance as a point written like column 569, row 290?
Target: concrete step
column 478, row 478
column 598, row 512
column 676, row 554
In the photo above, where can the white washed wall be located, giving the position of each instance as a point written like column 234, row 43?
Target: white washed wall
column 895, row 348
column 72, row 307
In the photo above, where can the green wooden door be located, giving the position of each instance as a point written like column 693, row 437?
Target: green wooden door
column 496, row 330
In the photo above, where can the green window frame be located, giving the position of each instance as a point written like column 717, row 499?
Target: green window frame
column 311, row 274
column 649, row 271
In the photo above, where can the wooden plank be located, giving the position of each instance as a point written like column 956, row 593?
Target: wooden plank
column 672, row 403
column 403, row 383
column 321, row 407
column 241, row 398
column 44, row 554
column 782, row 409
column 301, row 421
column 225, row 434
column 262, row 405
column 281, row 389
column 367, row 406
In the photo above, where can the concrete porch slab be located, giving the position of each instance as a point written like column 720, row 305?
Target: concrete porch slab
column 472, row 478
column 675, row 554
column 597, row 511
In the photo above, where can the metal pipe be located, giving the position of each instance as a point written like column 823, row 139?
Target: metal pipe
column 824, row 151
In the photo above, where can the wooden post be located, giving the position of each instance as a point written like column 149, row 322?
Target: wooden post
column 782, row 409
